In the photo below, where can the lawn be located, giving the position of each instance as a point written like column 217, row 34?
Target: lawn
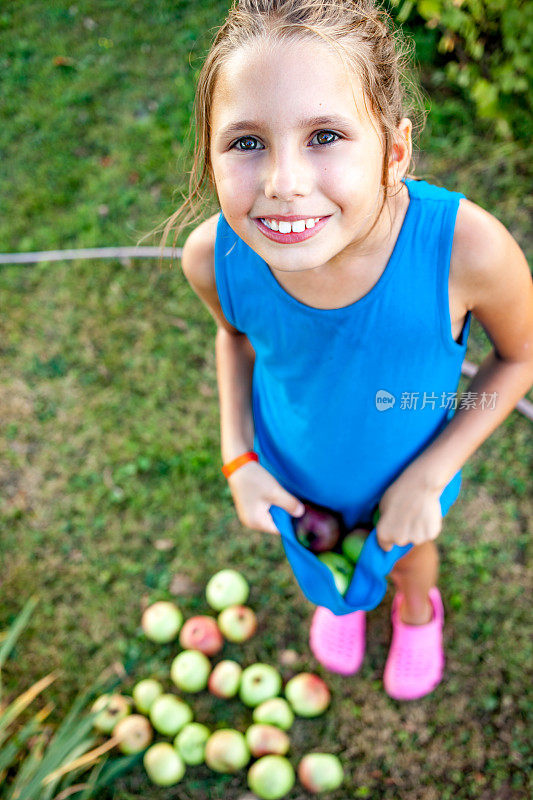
column 111, row 493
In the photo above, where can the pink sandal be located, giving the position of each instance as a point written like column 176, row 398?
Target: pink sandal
column 415, row 664
column 338, row 642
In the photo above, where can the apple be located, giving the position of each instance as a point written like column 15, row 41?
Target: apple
column 201, row 633
column 226, row 751
column 161, row 621
column 353, row 544
column 308, row 694
column 110, row 709
column 145, row 692
column 169, row 714
column 271, row 777
column 320, row 772
column 317, row 530
column 134, row 732
column 264, row 739
column 164, row 765
column 259, row 682
column 237, row 623
column 225, row 679
column 275, row 711
column 190, row 670
column 226, row 588
column 340, row 567
column 190, row 743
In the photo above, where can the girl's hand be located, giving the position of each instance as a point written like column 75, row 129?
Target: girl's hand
column 254, row 490
column 410, row 512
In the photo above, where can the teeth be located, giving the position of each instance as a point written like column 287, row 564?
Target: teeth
column 298, row 226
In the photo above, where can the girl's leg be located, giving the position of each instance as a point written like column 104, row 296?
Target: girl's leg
column 414, row 575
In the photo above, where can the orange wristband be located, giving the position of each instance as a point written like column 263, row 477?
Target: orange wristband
column 229, row 468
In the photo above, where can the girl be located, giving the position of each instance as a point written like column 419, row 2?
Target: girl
column 343, row 288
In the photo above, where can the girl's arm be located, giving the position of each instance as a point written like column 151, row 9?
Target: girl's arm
column 492, row 273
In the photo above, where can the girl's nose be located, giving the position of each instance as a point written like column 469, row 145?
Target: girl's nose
column 288, row 176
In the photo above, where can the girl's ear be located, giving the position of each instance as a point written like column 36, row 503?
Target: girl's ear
column 401, row 152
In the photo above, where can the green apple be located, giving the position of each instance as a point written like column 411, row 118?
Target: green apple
column 271, row 777
column 237, row 623
column 226, row 751
column 340, row 567
column 161, row 621
column 225, row 679
column 190, row 742
column 308, row 694
column 320, row 772
column 190, row 670
column 353, row 544
column 145, row 692
column 227, row 588
column 134, row 733
column 164, row 765
column 259, row 682
column 264, row 739
column 169, row 714
column 275, row 711
column 109, row 709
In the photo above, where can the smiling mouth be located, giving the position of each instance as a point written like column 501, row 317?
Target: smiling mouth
column 290, row 231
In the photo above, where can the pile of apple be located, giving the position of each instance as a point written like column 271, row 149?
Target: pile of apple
column 258, row 686
column 323, row 532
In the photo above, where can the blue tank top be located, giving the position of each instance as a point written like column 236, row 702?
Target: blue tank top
column 345, row 398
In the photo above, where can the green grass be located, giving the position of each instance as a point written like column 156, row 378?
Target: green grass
column 109, row 423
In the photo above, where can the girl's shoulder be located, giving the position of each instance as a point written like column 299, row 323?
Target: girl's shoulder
column 489, row 271
column 198, row 265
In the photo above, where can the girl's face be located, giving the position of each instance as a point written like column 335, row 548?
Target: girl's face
column 290, row 137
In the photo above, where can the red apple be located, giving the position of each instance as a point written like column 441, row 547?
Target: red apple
column 308, row 694
column 320, row 772
column 134, row 733
column 225, row 679
column 264, row 739
column 237, row 623
column 317, row 530
column 201, row 633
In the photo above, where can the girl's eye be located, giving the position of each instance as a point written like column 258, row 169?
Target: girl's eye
column 321, row 134
column 246, row 141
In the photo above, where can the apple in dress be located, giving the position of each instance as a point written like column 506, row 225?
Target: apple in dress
column 226, row 751
column 259, row 682
column 161, row 621
column 169, row 714
column 237, row 623
column 271, row 777
column 145, row 692
column 353, row 543
column 225, row 679
column 341, row 569
column 317, row 530
column 320, row 772
column 264, row 739
column 190, row 670
column 190, row 743
column 134, row 733
column 110, row 709
column 308, row 694
column 227, row 588
column 201, row 633
column 275, row 711
column 163, row 764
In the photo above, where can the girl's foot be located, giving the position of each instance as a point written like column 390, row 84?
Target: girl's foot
column 338, row 642
column 415, row 664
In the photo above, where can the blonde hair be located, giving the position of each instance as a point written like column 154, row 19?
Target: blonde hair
column 360, row 31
